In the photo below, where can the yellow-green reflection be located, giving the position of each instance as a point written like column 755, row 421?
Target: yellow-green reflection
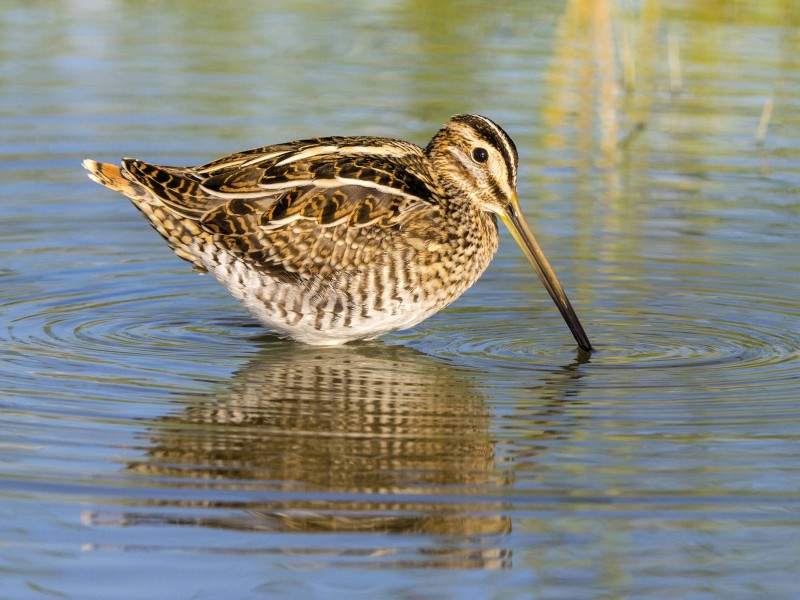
column 673, row 230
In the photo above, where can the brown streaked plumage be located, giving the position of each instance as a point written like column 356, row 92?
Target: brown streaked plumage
column 333, row 239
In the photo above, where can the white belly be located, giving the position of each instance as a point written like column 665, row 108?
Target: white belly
column 320, row 317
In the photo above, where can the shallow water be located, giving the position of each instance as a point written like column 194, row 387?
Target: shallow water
column 155, row 442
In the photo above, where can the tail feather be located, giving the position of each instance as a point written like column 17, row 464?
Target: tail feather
column 175, row 187
column 183, row 235
column 113, row 177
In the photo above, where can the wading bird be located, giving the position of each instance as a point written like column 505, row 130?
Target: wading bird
column 334, row 239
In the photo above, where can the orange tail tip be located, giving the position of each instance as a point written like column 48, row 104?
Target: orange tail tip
column 112, row 177
column 104, row 173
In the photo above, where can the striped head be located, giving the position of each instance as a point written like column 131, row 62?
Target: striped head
column 476, row 161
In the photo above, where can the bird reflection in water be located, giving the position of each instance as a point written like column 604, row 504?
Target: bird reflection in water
column 367, row 438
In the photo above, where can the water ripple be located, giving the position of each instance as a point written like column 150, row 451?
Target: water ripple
column 733, row 337
column 728, row 340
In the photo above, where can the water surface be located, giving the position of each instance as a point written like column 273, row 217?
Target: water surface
column 155, row 442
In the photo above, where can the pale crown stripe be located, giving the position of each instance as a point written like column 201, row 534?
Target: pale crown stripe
column 503, row 138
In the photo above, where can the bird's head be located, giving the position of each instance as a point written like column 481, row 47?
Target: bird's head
column 476, row 161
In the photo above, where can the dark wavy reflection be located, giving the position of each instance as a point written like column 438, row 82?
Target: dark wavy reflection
column 371, row 438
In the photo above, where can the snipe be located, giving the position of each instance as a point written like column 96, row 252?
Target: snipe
column 333, row 239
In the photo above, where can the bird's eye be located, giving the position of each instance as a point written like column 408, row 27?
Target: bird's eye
column 480, row 155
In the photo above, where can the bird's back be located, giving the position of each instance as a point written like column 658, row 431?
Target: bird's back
column 325, row 240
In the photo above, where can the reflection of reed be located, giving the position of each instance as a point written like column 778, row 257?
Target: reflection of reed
column 601, row 91
column 596, row 75
column 313, row 428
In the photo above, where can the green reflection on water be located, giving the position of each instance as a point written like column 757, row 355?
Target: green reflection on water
column 672, row 229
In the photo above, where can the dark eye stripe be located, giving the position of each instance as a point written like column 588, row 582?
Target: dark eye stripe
column 494, row 135
column 495, row 185
column 468, row 176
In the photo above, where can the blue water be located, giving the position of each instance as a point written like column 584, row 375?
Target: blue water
column 156, row 442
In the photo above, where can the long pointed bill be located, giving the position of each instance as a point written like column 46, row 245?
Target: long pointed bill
column 512, row 217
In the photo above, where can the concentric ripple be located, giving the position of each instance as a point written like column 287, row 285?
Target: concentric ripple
column 156, row 442
column 732, row 338
column 684, row 333
column 114, row 328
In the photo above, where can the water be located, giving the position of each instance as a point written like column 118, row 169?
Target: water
column 155, row 442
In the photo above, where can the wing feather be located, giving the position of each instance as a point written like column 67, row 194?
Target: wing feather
column 311, row 208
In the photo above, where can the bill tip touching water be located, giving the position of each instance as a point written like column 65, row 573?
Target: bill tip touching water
column 333, row 239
